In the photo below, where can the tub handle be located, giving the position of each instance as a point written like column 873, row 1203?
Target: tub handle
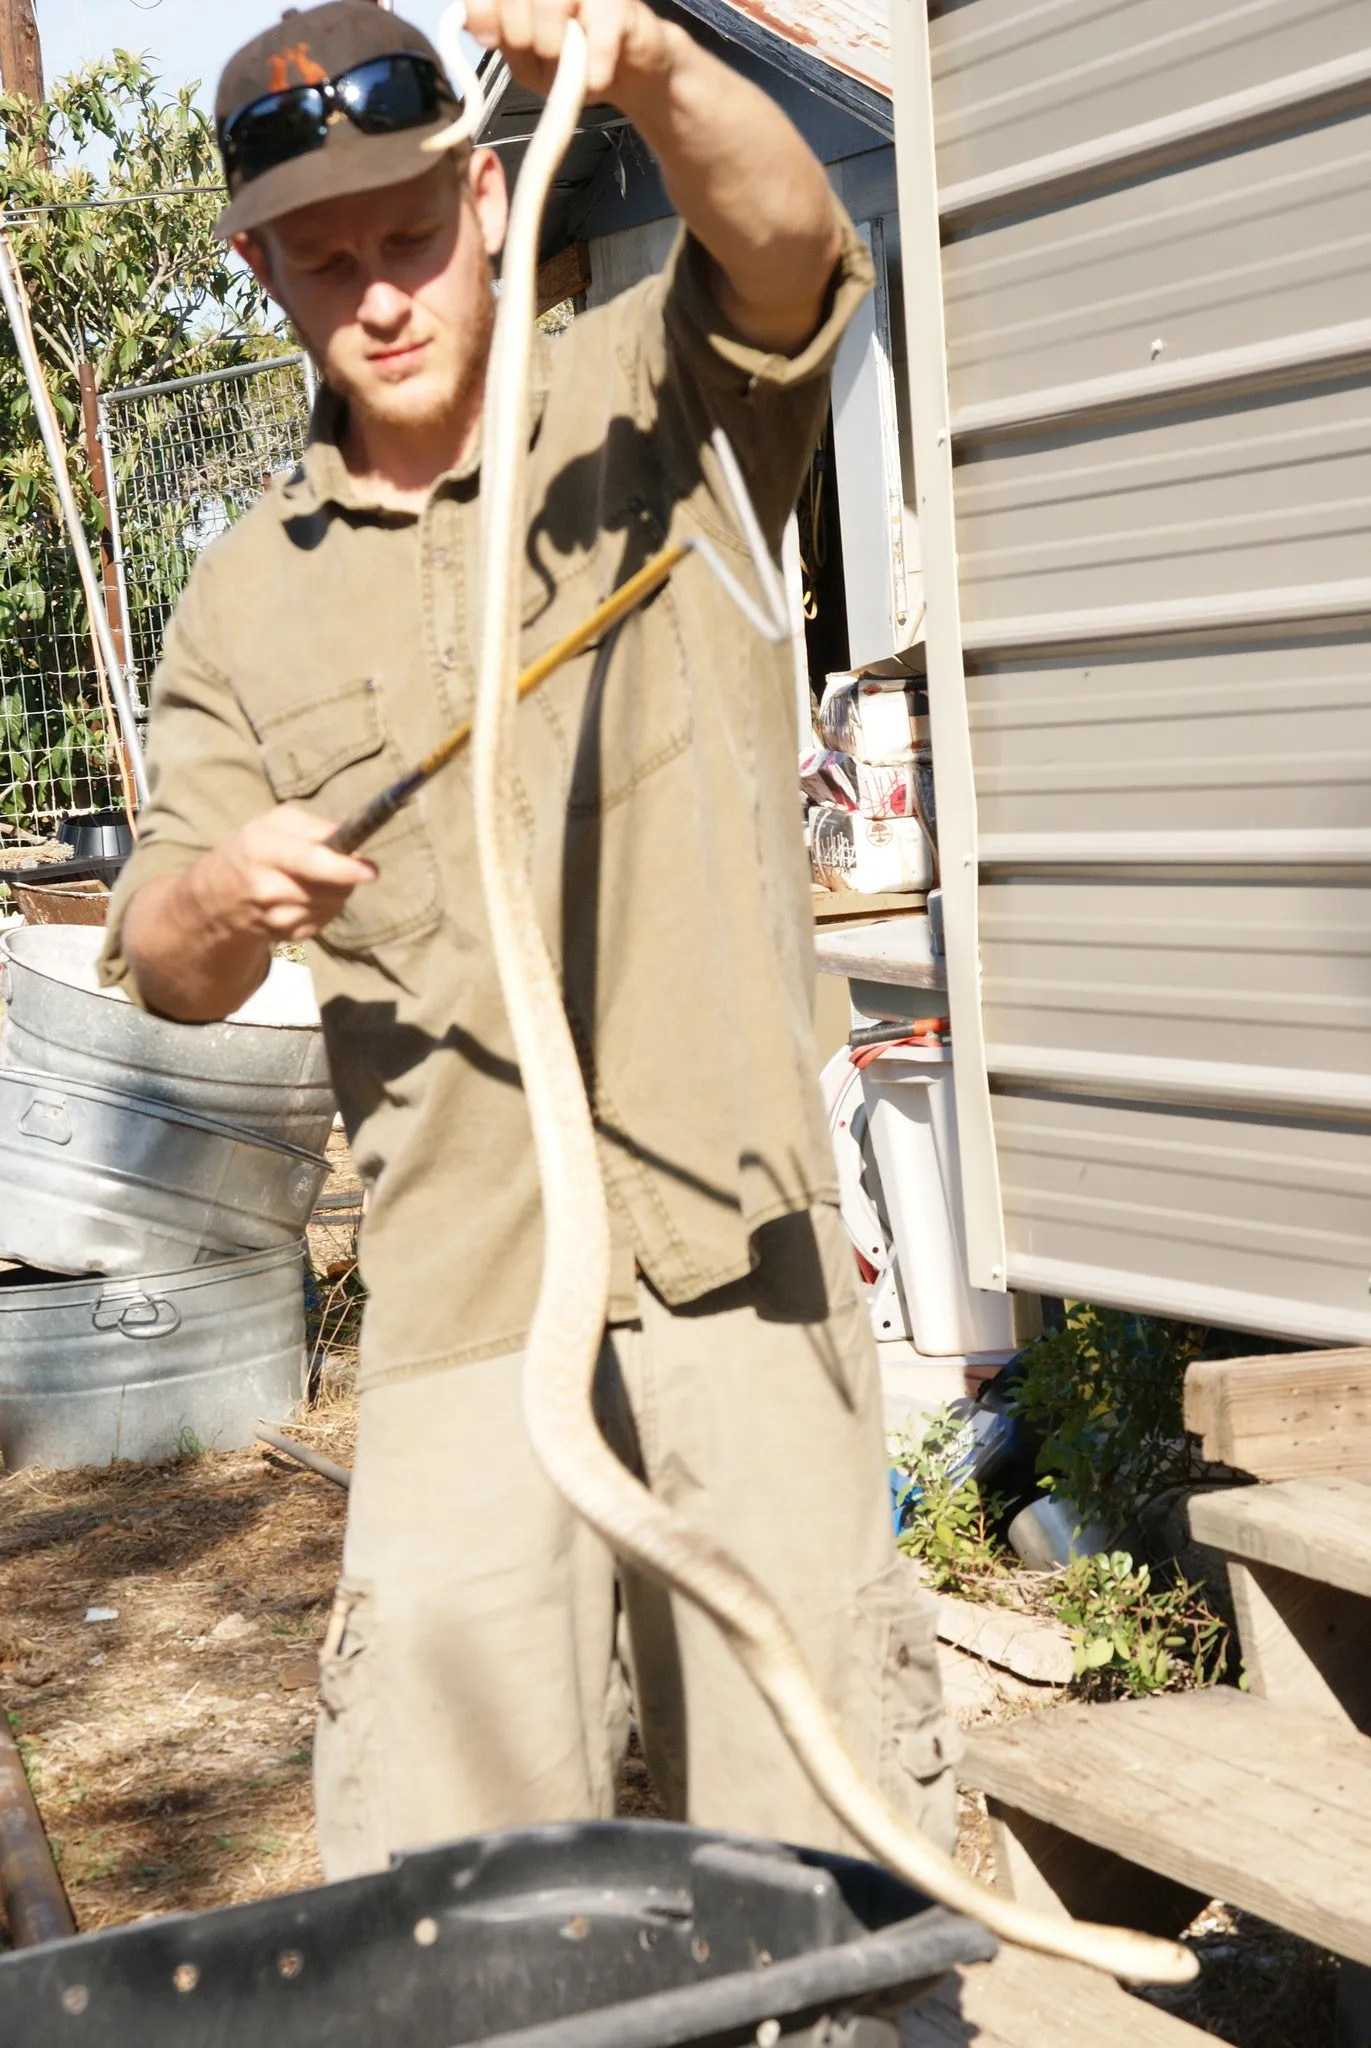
column 137, row 1315
column 47, row 1117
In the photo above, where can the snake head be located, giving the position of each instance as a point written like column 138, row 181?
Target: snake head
column 465, row 84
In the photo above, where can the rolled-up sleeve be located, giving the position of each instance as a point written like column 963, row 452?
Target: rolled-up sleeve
column 205, row 775
column 771, row 406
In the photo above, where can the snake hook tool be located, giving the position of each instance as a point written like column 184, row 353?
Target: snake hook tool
column 769, row 618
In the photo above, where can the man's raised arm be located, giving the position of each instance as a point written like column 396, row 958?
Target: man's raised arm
column 738, row 172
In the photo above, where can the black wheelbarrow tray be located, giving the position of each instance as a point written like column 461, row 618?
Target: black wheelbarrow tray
column 608, row 1935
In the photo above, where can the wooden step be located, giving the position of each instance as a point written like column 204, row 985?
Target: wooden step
column 1021, row 2000
column 1320, row 1528
column 1264, row 1807
column 1300, row 1415
column 1299, row 1565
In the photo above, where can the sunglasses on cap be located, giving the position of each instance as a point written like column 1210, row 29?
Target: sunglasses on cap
column 381, row 97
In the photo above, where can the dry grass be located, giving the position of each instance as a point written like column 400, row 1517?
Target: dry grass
column 169, row 1749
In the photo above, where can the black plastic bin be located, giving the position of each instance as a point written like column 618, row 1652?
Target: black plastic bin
column 98, row 835
column 614, row 1935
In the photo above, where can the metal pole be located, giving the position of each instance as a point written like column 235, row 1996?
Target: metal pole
column 303, row 1455
column 12, row 291
column 95, row 455
column 116, row 535
column 95, row 452
column 34, row 1901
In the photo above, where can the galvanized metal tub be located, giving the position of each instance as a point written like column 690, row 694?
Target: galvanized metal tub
column 93, row 1181
column 264, row 1068
column 93, row 1370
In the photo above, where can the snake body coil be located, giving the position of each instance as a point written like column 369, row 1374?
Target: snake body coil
column 569, row 1318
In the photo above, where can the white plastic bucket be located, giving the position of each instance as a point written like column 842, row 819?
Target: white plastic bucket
column 912, row 1113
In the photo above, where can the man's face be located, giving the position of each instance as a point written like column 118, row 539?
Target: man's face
column 392, row 289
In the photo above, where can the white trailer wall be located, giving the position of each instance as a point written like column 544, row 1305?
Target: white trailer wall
column 1137, row 271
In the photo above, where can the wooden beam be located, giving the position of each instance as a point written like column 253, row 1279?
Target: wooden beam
column 1022, row 2000
column 1304, row 1414
column 563, row 276
column 1054, row 1872
column 1303, row 1645
column 1319, row 1528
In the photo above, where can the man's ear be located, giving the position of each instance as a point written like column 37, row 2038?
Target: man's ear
column 257, row 260
column 490, row 195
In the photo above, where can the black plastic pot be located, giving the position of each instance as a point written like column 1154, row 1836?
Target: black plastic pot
column 99, row 835
column 616, row 1935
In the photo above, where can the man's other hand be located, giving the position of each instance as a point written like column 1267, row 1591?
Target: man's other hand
column 275, row 879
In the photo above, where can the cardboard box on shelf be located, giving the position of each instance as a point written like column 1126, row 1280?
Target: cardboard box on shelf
column 876, row 720
column 869, row 855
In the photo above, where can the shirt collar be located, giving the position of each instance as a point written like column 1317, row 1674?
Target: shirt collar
column 322, row 476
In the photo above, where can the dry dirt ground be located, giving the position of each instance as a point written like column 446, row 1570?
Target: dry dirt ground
column 169, row 1747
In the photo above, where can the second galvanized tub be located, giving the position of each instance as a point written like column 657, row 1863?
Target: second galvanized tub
column 93, row 1370
column 93, row 1181
column 264, row 1068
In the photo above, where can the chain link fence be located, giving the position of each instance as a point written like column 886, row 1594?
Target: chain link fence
column 56, row 754
column 185, row 459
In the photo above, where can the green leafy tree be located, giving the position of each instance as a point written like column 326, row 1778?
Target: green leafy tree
column 142, row 290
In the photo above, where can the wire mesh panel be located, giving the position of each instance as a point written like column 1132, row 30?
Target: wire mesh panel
column 186, row 459
column 56, row 752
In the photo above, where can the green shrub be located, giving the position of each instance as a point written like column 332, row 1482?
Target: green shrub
column 1132, row 1636
column 950, row 1526
column 1103, row 1393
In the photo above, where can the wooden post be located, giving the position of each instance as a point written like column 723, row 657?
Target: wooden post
column 563, row 276
column 21, row 53
column 99, row 476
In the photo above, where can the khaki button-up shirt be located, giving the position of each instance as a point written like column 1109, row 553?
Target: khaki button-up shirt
column 325, row 643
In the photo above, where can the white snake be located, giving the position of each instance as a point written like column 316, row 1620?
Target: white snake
column 569, row 1318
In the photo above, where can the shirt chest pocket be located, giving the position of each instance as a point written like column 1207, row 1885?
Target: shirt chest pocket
column 331, row 755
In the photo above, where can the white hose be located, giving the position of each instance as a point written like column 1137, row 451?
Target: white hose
column 569, row 1317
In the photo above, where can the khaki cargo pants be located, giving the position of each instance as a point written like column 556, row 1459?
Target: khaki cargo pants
column 483, row 1649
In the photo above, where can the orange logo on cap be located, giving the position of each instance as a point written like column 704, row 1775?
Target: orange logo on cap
column 296, row 58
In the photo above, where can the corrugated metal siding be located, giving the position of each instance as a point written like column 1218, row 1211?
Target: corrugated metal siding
column 1019, row 79
column 1156, row 273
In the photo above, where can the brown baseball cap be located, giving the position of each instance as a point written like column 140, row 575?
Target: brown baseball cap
column 310, row 46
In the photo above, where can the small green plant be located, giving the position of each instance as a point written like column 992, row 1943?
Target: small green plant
column 1132, row 1637
column 1103, row 1393
column 949, row 1523
column 188, row 1445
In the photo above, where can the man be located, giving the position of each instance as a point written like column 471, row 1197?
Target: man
column 477, row 1666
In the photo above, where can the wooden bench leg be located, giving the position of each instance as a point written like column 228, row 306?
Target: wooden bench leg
column 1305, row 1645
column 1044, row 1867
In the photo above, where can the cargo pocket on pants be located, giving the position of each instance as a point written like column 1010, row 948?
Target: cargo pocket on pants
column 897, row 1716
column 347, row 1802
